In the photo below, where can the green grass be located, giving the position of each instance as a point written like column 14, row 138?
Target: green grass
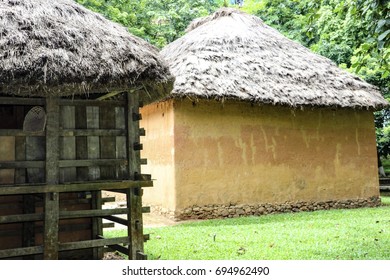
column 334, row 234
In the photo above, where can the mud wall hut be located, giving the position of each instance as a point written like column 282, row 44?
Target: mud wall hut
column 71, row 84
column 257, row 123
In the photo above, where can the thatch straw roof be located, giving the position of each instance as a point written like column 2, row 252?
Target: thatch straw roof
column 60, row 48
column 233, row 55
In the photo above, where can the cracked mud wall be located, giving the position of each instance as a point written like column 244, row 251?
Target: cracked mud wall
column 233, row 152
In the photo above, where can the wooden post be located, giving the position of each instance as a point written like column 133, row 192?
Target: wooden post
column 134, row 196
column 51, row 200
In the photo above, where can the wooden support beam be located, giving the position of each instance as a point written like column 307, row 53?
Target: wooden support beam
column 92, row 186
column 134, row 201
column 86, row 102
column 110, row 94
column 93, row 243
column 143, row 177
column 137, row 146
column 51, row 200
column 92, row 162
column 21, row 101
column 92, row 213
column 22, row 164
column 120, row 248
column 18, row 252
column 108, row 225
column 137, row 117
column 91, row 132
column 118, row 220
column 20, row 133
column 20, row 218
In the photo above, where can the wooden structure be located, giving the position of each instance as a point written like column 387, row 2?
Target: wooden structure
column 90, row 146
column 87, row 102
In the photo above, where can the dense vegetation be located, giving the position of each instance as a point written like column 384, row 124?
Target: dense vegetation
column 355, row 34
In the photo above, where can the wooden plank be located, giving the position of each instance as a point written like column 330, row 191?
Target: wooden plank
column 67, row 144
column 93, row 142
column 21, row 101
column 20, row 147
column 81, row 143
column 93, row 173
column 68, row 227
column 92, row 162
column 10, row 253
column 87, row 102
column 78, row 201
column 108, row 225
column 21, row 218
column 28, row 236
column 92, row 213
column 120, row 248
column 22, row 164
column 143, row 177
column 93, row 243
column 93, row 186
column 20, row 155
column 92, row 132
column 20, row 133
column 51, row 200
column 121, row 143
column 109, row 95
column 118, row 220
column 107, row 143
column 9, row 232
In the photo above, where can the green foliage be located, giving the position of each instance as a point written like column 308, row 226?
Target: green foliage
column 158, row 22
column 332, row 234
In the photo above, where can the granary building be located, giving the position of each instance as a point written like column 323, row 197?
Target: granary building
column 71, row 83
column 257, row 123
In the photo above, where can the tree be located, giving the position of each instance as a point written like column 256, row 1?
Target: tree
column 158, row 22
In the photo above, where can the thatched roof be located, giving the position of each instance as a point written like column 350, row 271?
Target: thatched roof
column 60, row 48
column 233, row 55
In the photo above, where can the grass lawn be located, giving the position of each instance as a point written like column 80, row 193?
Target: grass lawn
column 334, row 234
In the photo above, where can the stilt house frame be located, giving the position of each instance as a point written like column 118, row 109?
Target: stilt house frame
column 80, row 78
